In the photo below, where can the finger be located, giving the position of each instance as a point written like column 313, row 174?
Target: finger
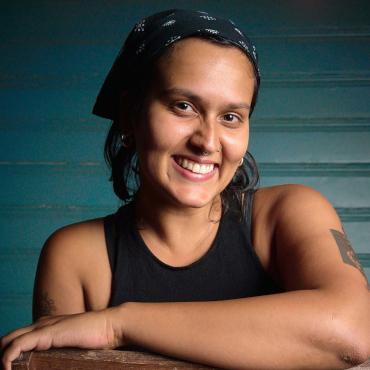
column 38, row 339
column 49, row 320
column 6, row 339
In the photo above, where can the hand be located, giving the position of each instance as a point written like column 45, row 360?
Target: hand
column 93, row 330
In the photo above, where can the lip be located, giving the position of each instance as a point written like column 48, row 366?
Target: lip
column 196, row 177
column 197, row 159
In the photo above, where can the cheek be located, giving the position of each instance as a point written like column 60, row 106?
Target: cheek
column 235, row 146
column 160, row 133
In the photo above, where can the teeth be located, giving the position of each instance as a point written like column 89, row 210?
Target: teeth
column 195, row 167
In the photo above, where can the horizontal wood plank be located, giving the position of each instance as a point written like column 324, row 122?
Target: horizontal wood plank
column 264, row 124
column 61, row 359
column 106, row 359
column 78, row 183
column 331, row 147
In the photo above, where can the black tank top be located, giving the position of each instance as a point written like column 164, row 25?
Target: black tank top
column 230, row 268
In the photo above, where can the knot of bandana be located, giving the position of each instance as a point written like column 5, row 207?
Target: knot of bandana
column 151, row 36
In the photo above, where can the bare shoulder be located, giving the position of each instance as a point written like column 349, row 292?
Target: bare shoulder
column 299, row 204
column 281, row 200
column 73, row 272
column 307, row 238
column 267, row 202
column 288, row 204
column 79, row 244
column 289, row 208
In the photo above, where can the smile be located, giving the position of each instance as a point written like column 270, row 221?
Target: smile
column 195, row 167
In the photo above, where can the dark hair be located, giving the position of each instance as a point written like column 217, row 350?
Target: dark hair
column 123, row 160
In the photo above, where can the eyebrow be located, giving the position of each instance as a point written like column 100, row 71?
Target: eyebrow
column 190, row 95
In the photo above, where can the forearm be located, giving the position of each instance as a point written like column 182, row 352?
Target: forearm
column 294, row 330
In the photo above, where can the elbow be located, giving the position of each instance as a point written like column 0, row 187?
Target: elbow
column 354, row 354
column 351, row 344
column 343, row 337
column 348, row 329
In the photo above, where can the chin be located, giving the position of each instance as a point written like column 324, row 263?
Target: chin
column 194, row 199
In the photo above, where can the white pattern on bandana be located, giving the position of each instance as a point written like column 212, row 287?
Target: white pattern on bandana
column 140, row 26
column 244, row 45
column 140, row 48
column 169, row 23
column 215, row 32
column 238, row 30
column 208, row 17
column 172, row 39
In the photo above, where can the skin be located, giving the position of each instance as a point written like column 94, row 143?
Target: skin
column 188, row 113
column 321, row 321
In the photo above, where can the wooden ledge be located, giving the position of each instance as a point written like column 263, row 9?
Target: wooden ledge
column 64, row 359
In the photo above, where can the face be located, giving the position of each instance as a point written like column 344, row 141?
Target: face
column 196, row 127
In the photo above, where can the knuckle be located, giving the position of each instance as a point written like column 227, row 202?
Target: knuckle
column 16, row 343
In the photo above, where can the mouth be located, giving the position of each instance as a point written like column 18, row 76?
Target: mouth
column 195, row 167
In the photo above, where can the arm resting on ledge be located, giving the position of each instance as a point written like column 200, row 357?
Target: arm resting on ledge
column 321, row 322
column 293, row 330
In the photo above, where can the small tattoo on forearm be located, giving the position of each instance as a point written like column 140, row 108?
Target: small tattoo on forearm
column 348, row 254
column 45, row 306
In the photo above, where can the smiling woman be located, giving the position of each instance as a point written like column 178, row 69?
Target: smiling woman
column 197, row 252
column 193, row 121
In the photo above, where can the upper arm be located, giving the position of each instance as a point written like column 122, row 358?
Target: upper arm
column 312, row 249
column 58, row 289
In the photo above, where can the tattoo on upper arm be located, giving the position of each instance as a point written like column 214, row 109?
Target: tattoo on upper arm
column 348, row 254
column 45, row 306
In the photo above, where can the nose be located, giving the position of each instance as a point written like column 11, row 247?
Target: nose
column 205, row 137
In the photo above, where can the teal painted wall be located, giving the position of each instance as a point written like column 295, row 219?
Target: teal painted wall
column 311, row 125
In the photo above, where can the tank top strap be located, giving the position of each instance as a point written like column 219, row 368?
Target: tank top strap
column 111, row 235
column 248, row 206
column 113, row 229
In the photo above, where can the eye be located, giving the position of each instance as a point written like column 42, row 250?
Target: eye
column 232, row 118
column 183, row 107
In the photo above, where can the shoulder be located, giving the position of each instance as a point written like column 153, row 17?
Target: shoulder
column 75, row 238
column 282, row 201
column 307, row 238
column 281, row 214
column 73, row 272
column 76, row 249
column 289, row 209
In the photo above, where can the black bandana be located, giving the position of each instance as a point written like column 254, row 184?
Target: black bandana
column 153, row 34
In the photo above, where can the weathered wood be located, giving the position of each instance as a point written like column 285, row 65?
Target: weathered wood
column 64, row 359
column 364, row 366
column 23, row 361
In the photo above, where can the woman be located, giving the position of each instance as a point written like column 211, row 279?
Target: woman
column 199, row 264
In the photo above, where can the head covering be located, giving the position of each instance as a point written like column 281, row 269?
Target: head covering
column 150, row 37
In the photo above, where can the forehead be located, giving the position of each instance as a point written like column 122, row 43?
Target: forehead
column 204, row 65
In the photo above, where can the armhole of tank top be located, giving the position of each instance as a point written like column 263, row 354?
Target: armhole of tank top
column 248, row 215
column 249, row 212
column 249, row 226
column 110, row 238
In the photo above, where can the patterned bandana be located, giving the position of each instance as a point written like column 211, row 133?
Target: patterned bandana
column 150, row 37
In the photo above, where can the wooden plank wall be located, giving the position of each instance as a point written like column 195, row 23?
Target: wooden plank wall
column 311, row 125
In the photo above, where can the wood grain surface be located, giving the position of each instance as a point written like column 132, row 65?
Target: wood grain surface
column 63, row 359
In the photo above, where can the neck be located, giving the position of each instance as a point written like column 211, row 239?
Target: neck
column 174, row 230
